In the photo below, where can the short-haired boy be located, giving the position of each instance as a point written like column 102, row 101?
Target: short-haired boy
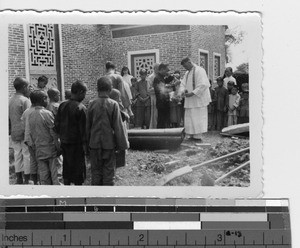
column 42, row 83
column 134, row 94
column 233, row 103
column 230, row 85
column 211, row 109
column 143, row 104
column 28, row 141
column 18, row 103
column 70, row 124
column 228, row 77
column 105, row 134
column 54, row 95
column 221, row 94
column 44, row 139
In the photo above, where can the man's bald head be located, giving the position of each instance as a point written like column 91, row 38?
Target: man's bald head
column 20, row 83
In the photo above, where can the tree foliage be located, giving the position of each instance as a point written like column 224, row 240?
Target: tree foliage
column 233, row 36
column 243, row 68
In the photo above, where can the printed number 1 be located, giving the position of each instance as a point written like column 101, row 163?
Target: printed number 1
column 141, row 237
column 220, row 238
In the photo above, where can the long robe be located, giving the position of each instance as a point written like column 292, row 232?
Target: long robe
column 196, row 119
column 119, row 84
column 153, row 117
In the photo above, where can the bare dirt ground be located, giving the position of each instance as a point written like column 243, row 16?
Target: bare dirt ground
column 146, row 168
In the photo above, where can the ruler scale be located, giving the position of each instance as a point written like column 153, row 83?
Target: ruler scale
column 144, row 222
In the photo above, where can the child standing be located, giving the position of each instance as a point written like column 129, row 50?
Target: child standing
column 54, row 96
column 228, row 77
column 143, row 104
column 211, row 109
column 233, row 103
column 230, row 85
column 44, row 139
column 42, row 83
column 28, row 141
column 105, row 134
column 134, row 94
column 175, row 102
column 221, row 103
column 70, row 124
column 243, row 115
column 17, row 105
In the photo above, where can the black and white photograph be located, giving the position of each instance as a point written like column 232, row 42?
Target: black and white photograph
column 173, row 103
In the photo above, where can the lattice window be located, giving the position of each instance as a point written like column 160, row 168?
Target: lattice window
column 143, row 62
column 217, row 65
column 203, row 59
column 41, row 42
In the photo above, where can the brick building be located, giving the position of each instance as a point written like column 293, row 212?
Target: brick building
column 67, row 52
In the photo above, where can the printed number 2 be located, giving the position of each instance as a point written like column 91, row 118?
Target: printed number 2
column 141, row 237
column 219, row 237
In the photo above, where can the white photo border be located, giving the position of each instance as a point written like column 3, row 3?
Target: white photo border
column 250, row 19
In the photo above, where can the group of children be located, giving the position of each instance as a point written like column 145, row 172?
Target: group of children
column 228, row 107
column 42, row 129
column 141, row 101
column 47, row 135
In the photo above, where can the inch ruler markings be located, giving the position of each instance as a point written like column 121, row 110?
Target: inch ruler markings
column 143, row 222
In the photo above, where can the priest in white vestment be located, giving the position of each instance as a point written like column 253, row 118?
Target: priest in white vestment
column 195, row 86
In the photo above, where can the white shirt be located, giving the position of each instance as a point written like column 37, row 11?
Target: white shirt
column 200, row 89
column 227, row 79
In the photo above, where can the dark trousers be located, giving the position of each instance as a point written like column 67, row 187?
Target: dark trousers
column 48, row 171
column 221, row 120
column 243, row 119
column 163, row 117
column 103, row 165
column 143, row 114
column 73, row 163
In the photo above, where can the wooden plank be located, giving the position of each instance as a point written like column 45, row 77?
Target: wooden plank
column 221, row 158
column 203, row 145
column 236, row 129
column 231, row 172
column 188, row 169
column 177, row 173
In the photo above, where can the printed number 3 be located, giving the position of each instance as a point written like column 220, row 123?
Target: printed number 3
column 141, row 237
column 219, row 237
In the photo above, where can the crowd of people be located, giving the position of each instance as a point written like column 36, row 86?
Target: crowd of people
column 47, row 134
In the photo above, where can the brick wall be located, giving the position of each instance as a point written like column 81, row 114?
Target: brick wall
column 172, row 47
column 83, row 55
column 212, row 39
column 16, row 54
column 86, row 48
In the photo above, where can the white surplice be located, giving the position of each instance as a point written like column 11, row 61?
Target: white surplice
column 196, row 116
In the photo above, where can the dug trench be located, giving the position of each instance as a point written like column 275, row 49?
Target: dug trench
column 147, row 168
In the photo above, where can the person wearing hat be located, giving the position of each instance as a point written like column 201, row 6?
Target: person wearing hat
column 143, row 103
column 195, row 85
column 162, row 96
